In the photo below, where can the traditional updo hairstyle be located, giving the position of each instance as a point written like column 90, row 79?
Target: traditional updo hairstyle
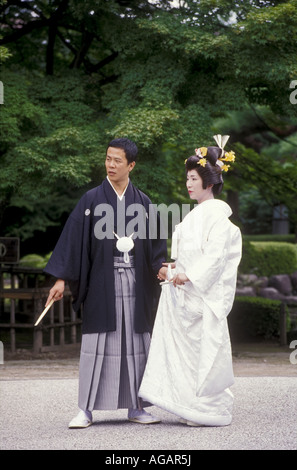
column 211, row 173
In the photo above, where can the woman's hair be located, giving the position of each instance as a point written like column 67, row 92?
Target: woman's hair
column 129, row 147
column 211, row 173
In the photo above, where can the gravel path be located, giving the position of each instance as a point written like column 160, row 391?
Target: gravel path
column 38, row 397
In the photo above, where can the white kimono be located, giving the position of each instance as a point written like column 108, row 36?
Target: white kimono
column 189, row 368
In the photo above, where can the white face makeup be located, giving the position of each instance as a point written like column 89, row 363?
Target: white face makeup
column 195, row 189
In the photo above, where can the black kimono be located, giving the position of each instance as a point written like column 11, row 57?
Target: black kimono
column 85, row 260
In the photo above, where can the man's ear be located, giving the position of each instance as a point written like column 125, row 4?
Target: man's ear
column 131, row 165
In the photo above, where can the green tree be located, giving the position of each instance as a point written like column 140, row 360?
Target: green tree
column 266, row 159
column 159, row 74
column 49, row 146
column 4, row 53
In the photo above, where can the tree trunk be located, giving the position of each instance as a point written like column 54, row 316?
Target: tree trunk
column 52, row 32
column 86, row 42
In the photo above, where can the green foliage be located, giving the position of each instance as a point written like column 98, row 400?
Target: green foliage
column 268, row 258
column 265, row 169
column 269, row 237
column 50, row 145
column 276, row 181
column 255, row 212
column 4, row 52
column 255, row 318
column 161, row 75
column 33, row 261
column 144, row 125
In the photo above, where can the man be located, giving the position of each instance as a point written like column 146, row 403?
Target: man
column 112, row 274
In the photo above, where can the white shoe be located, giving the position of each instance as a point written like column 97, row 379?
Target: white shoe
column 82, row 420
column 142, row 417
column 190, row 423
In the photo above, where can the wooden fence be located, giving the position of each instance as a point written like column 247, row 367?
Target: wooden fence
column 21, row 307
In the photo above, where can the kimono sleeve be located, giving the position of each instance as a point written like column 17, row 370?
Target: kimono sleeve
column 70, row 258
column 159, row 249
column 155, row 234
column 207, row 268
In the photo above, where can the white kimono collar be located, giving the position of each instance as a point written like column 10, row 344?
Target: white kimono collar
column 119, row 196
column 217, row 204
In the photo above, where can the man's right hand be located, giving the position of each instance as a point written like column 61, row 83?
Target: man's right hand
column 56, row 291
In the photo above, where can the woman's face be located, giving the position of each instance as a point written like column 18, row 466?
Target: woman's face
column 195, row 189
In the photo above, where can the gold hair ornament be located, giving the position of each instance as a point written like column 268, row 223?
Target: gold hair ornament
column 221, row 141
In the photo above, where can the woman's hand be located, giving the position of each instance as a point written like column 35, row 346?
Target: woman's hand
column 179, row 279
column 56, row 291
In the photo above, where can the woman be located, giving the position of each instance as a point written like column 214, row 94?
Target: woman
column 189, row 369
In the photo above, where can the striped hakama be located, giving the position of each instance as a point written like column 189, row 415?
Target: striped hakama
column 112, row 363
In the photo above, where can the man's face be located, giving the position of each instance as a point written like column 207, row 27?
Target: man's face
column 117, row 166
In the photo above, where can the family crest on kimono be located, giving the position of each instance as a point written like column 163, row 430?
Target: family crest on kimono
column 189, row 369
column 114, row 280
